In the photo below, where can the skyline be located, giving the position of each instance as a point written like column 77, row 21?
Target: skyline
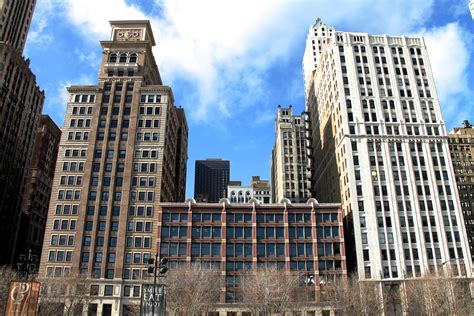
column 204, row 59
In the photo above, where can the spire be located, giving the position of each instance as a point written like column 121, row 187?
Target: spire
column 319, row 23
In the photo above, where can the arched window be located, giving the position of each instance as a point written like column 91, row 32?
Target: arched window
column 133, row 58
column 123, row 58
column 112, row 58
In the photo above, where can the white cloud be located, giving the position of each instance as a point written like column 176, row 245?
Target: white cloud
column 222, row 50
column 37, row 34
column 92, row 16
column 227, row 46
column 449, row 49
column 88, row 57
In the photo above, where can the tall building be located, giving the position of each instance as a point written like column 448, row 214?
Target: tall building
column 38, row 187
column 471, row 8
column 15, row 22
column 289, row 158
column 380, row 147
column 210, row 179
column 21, row 102
column 117, row 160
column 258, row 189
column 317, row 37
column 305, row 238
column 461, row 145
column 181, row 155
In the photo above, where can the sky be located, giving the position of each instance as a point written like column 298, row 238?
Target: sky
column 230, row 63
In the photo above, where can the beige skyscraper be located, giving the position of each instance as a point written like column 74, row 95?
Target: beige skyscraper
column 289, row 158
column 122, row 143
column 380, row 147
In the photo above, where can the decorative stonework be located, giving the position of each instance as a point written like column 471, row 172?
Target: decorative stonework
column 131, row 35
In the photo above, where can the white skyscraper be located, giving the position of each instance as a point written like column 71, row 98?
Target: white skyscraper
column 380, row 147
column 471, row 8
column 318, row 34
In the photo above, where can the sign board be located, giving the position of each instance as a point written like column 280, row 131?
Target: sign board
column 22, row 298
column 153, row 303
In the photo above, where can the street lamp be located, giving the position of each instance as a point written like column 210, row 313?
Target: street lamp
column 27, row 264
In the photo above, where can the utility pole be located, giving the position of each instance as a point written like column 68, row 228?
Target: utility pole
column 154, row 282
column 158, row 267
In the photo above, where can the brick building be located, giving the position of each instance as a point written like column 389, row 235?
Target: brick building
column 38, row 187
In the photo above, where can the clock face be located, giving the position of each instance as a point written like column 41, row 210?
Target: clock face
column 128, row 35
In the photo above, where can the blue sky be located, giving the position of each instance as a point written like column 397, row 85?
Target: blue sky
column 231, row 62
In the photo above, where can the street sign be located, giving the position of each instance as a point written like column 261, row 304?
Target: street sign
column 22, row 298
column 153, row 303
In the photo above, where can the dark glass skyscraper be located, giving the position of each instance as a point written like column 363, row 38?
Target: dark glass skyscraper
column 211, row 179
column 21, row 102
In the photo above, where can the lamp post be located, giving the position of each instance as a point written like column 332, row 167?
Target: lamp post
column 27, row 264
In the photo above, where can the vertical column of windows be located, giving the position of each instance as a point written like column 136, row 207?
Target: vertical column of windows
column 239, row 251
column 72, row 162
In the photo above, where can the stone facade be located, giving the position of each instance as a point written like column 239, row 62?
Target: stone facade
column 258, row 189
column 289, row 178
column 380, row 147
column 123, row 140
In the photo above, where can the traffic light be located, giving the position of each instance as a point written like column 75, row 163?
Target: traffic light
column 163, row 265
column 161, row 269
column 151, row 266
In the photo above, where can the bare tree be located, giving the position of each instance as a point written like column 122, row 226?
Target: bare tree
column 66, row 296
column 191, row 290
column 351, row 297
column 392, row 298
column 7, row 275
column 440, row 294
column 267, row 291
column 131, row 310
column 429, row 295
